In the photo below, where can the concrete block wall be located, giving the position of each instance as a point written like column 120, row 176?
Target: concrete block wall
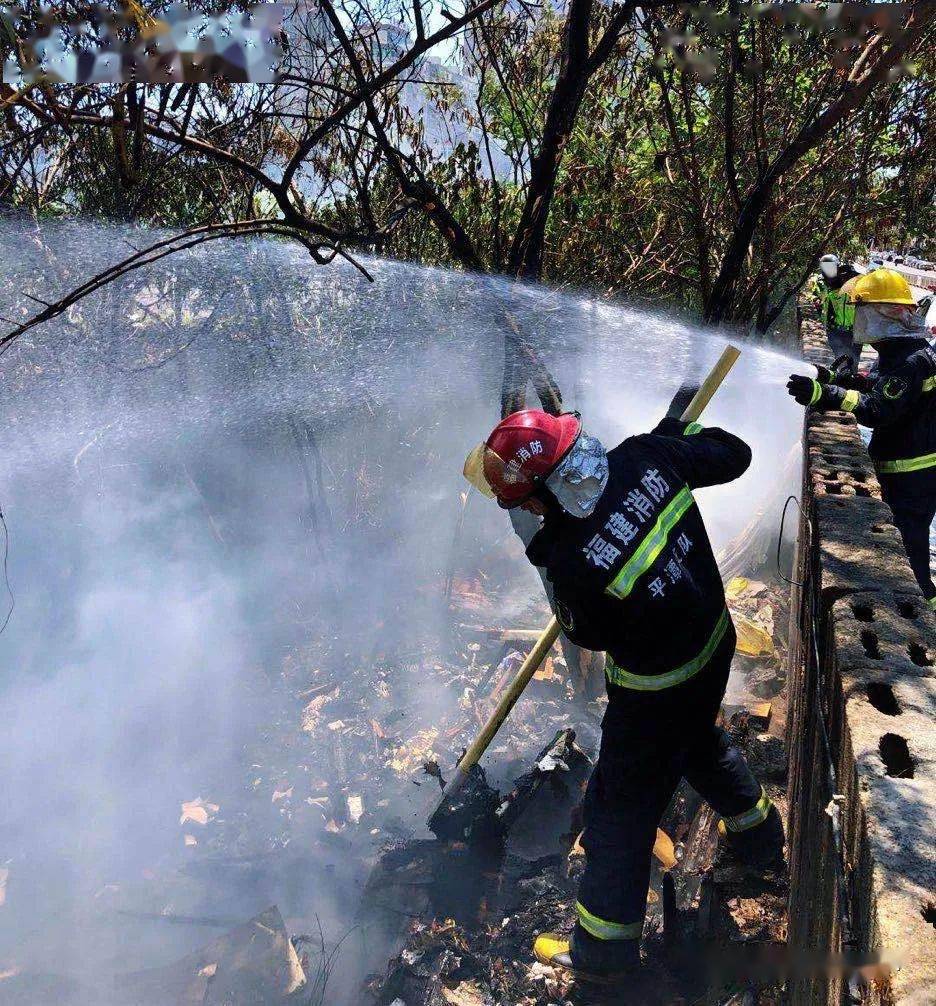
column 862, row 631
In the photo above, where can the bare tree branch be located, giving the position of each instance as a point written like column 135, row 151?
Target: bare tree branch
column 371, row 87
column 322, row 252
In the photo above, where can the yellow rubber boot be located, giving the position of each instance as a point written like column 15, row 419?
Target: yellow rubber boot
column 609, row 962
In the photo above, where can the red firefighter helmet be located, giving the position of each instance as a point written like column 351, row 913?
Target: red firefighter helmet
column 520, row 453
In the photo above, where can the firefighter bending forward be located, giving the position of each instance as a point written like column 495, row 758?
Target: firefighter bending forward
column 624, row 546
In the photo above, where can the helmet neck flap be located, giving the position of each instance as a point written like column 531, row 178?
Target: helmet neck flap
column 876, row 323
column 581, row 477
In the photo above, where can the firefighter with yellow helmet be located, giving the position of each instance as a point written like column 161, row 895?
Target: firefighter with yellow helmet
column 898, row 403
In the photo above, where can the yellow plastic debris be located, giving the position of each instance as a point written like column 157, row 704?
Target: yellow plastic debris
column 664, row 850
column 753, row 641
column 760, row 711
column 547, row 671
column 736, row 586
column 410, row 756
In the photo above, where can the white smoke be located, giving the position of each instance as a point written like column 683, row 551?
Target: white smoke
column 190, row 497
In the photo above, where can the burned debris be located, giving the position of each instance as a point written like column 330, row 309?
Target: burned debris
column 522, row 875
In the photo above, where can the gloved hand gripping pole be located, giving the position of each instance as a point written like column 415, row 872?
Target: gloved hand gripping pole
column 551, row 633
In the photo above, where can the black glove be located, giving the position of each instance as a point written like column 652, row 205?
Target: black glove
column 681, row 400
column 842, row 367
column 805, row 390
column 670, row 426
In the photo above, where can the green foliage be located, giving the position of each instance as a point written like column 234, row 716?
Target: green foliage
column 644, row 206
column 676, row 130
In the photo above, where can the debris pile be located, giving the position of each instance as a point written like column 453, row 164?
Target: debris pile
column 254, row 963
column 338, row 787
column 696, row 900
column 761, row 614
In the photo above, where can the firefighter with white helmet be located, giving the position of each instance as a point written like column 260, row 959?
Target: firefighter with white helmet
column 836, row 311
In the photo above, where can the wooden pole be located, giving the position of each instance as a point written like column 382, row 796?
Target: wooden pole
column 551, row 633
column 711, row 384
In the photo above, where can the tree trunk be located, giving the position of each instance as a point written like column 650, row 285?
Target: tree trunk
column 525, row 260
column 720, row 302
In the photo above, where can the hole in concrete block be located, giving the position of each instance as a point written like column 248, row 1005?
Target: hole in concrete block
column 878, row 528
column 882, row 697
column 908, row 609
column 896, row 756
column 869, row 641
column 863, row 612
column 928, row 911
column 919, row 654
column 833, row 488
column 862, row 491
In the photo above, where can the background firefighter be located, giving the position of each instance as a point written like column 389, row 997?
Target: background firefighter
column 835, row 309
column 625, row 549
column 898, row 402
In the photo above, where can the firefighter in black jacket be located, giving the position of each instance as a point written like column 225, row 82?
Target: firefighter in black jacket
column 899, row 404
column 625, row 549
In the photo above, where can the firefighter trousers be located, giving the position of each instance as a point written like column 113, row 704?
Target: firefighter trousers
column 841, row 342
column 913, row 514
column 650, row 741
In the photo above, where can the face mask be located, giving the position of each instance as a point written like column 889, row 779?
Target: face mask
column 581, row 477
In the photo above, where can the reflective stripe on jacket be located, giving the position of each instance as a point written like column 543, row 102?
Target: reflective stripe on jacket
column 897, row 403
column 637, row 577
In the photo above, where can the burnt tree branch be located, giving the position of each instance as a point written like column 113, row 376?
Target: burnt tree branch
column 321, row 250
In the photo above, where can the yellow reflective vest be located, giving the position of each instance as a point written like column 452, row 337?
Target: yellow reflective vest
column 837, row 312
